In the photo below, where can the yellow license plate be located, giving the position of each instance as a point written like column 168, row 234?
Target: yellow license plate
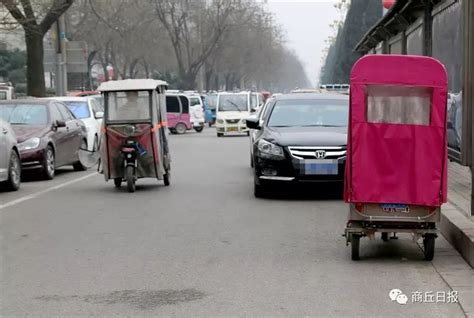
column 232, row 129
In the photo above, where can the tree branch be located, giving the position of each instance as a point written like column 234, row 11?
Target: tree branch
column 56, row 10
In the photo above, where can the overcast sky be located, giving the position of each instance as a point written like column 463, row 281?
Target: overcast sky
column 306, row 26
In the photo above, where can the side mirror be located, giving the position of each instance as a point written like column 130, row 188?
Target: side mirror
column 60, row 123
column 253, row 123
column 99, row 115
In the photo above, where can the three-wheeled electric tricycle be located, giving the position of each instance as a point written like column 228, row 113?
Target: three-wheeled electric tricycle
column 396, row 168
column 134, row 141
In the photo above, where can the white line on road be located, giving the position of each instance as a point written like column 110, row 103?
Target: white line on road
column 34, row 195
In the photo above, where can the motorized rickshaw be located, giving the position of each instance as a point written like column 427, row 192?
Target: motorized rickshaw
column 134, row 142
column 396, row 168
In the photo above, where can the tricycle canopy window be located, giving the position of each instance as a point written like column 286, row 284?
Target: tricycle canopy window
column 391, row 104
column 128, row 105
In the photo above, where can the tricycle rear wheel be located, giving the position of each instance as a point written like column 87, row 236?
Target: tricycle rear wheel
column 130, row 177
column 355, row 246
column 429, row 245
column 117, row 182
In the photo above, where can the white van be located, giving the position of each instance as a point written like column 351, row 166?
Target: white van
column 196, row 111
column 231, row 111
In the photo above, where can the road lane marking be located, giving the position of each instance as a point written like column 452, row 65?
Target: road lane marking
column 37, row 194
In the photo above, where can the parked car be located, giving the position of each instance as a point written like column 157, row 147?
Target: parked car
column 177, row 112
column 48, row 134
column 302, row 138
column 10, row 164
column 196, row 112
column 90, row 112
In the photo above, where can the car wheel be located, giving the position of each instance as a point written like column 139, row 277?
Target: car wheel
column 248, row 133
column 251, row 161
column 180, row 128
column 78, row 166
column 220, row 134
column 14, row 172
column 199, row 129
column 49, row 163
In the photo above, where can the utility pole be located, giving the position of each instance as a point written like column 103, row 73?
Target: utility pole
column 61, row 68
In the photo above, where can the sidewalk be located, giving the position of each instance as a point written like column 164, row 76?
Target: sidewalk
column 457, row 224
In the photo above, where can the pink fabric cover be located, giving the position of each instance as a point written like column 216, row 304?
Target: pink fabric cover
column 397, row 163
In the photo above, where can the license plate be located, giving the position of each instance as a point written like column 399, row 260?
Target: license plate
column 395, row 208
column 232, row 129
column 320, row 168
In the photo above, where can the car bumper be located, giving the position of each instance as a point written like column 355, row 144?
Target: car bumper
column 32, row 159
column 292, row 171
column 232, row 128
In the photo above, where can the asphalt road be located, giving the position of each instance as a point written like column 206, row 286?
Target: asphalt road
column 202, row 247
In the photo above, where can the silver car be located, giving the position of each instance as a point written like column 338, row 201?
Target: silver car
column 10, row 164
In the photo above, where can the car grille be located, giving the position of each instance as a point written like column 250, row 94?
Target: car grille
column 318, row 152
column 232, row 121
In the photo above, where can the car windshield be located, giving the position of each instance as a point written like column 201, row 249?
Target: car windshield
column 79, row 109
column 132, row 105
column 24, row 114
column 233, row 102
column 308, row 113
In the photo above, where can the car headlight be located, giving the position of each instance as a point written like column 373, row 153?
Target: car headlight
column 244, row 122
column 29, row 144
column 220, row 121
column 269, row 150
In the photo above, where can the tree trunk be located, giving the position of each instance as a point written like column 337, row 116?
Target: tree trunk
column 34, row 64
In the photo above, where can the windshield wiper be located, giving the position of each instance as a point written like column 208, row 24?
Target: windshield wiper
column 235, row 105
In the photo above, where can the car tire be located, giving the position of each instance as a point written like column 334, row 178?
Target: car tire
column 210, row 124
column 220, row 134
column 199, row 129
column 251, row 161
column 14, row 172
column 180, row 129
column 248, row 133
column 78, row 166
column 49, row 163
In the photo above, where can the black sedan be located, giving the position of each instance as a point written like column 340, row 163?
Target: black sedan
column 48, row 134
column 303, row 138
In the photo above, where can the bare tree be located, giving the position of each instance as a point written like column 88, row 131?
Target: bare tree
column 195, row 29
column 36, row 19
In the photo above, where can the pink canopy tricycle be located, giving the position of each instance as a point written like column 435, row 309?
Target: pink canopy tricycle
column 396, row 169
